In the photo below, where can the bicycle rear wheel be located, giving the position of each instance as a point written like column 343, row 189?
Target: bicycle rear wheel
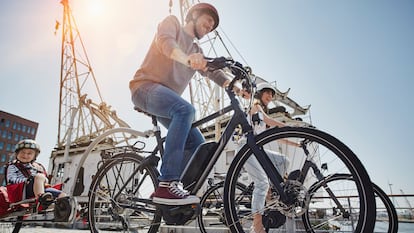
column 211, row 219
column 119, row 198
column 324, row 156
column 342, row 185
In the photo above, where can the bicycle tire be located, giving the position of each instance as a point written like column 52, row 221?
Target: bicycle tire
column 212, row 205
column 392, row 217
column 328, row 154
column 389, row 206
column 129, row 210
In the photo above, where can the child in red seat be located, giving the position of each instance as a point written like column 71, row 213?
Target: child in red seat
column 30, row 174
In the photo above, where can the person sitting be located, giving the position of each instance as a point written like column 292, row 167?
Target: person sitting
column 29, row 177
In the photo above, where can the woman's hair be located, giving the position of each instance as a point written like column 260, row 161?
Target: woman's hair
column 260, row 102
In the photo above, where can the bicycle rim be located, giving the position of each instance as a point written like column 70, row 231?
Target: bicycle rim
column 329, row 156
column 119, row 197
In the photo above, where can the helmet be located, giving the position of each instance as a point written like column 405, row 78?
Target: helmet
column 260, row 87
column 27, row 144
column 204, row 8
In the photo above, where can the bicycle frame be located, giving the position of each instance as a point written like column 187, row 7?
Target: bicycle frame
column 239, row 118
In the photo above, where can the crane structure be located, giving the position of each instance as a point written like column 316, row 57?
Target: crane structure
column 81, row 117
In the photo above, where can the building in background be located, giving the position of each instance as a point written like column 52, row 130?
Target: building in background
column 13, row 129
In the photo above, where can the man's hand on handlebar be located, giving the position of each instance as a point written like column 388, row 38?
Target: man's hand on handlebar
column 197, row 61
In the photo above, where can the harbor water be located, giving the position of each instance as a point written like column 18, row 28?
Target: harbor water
column 403, row 227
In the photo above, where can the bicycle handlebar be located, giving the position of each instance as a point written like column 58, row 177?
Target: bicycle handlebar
column 218, row 63
column 241, row 73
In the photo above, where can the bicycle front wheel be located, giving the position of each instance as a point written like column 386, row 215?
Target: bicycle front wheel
column 119, row 198
column 320, row 156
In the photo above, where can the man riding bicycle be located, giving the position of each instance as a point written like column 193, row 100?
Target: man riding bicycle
column 167, row 69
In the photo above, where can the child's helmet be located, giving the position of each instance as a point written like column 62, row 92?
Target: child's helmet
column 204, row 8
column 260, row 87
column 27, row 144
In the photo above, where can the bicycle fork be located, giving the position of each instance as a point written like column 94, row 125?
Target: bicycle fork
column 277, row 180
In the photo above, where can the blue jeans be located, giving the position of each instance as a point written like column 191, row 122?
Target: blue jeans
column 259, row 177
column 177, row 115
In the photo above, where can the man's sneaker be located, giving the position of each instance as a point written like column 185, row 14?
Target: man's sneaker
column 172, row 193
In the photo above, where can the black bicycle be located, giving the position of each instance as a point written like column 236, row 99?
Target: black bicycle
column 120, row 193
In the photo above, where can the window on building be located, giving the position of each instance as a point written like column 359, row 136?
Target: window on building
column 24, row 128
column 61, row 170
column 33, row 131
column 4, row 134
column 10, row 135
column 1, row 145
column 3, row 158
column 7, row 123
column 9, row 147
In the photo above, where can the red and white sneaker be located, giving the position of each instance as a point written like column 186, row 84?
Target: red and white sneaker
column 172, row 193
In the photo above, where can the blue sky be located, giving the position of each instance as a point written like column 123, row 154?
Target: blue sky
column 352, row 61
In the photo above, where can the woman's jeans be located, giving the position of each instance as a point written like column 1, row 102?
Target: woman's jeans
column 177, row 115
column 259, row 177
